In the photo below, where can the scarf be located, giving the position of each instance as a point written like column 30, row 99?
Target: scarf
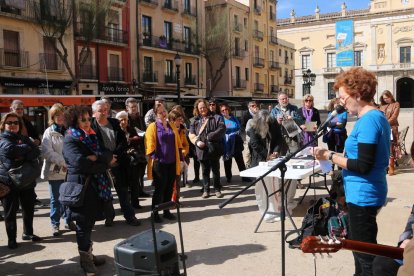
column 58, row 128
column 307, row 113
column 90, row 140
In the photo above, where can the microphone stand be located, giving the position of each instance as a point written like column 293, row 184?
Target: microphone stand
column 281, row 165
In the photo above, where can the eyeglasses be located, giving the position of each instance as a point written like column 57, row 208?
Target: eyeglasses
column 253, row 106
column 84, row 120
column 344, row 100
column 224, row 109
column 212, row 104
column 16, row 123
column 308, row 101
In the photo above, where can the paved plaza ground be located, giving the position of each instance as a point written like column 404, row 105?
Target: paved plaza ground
column 217, row 241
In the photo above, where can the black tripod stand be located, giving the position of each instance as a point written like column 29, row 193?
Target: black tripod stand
column 281, row 165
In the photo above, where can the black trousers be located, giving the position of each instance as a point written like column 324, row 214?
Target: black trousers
column 238, row 157
column 196, row 166
column 214, row 166
column 164, row 176
column 11, row 205
column 384, row 266
column 121, row 188
column 363, row 227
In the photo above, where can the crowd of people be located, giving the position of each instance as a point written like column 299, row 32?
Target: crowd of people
column 101, row 148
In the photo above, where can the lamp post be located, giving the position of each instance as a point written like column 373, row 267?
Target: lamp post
column 177, row 60
column 308, row 80
column 134, row 86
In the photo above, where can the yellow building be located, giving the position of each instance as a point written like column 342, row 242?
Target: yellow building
column 382, row 41
column 256, row 64
column 167, row 28
column 29, row 64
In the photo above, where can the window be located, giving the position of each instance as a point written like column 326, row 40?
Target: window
column 149, row 75
column 187, row 38
column 291, row 56
column 236, row 20
column 146, row 30
column 305, row 89
column 87, row 70
column 280, row 52
column 271, row 55
column 168, row 32
column 49, row 60
column 187, row 6
column 331, row 91
column 305, row 61
column 246, row 45
column 286, row 57
column 12, row 54
column 330, row 60
column 169, row 70
column 189, row 73
column 405, row 54
column 271, row 31
column 245, row 22
column 358, row 58
column 115, row 72
column 246, row 73
column 238, row 84
column 113, row 26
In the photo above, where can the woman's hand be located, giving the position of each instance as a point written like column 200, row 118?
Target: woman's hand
column 113, row 161
column 320, row 153
column 303, row 127
column 200, row 144
column 272, row 156
column 92, row 157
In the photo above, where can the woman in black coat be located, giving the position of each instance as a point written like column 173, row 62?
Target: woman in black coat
column 309, row 114
column 86, row 161
column 14, row 150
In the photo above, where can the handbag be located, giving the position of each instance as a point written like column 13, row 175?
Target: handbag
column 25, row 175
column 72, row 194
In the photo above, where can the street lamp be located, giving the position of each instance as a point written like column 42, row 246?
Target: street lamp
column 308, row 80
column 134, row 86
column 177, row 60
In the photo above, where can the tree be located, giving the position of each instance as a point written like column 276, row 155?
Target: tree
column 56, row 19
column 217, row 47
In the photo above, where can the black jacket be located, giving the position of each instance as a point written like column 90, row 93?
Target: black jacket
column 244, row 119
column 121, row 141
column 315, row 116
column 259, row 146
column 14, row 150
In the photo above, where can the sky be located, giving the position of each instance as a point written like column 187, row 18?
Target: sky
column 307, row 7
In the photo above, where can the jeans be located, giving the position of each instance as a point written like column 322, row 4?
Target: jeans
column 207, row 166
column 384, row 266
column 57, row 210
column 363, row 227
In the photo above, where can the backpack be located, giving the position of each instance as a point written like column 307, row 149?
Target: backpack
column 322, row 219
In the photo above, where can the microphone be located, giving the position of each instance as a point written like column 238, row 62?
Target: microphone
column 338, row 110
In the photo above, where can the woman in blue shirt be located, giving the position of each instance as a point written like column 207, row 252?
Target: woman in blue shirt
column 233, row 143
column 364, row 163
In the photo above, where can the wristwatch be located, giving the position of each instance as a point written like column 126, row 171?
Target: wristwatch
column 331, row 155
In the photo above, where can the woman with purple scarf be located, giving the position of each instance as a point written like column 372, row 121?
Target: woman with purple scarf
column 87, row 162
column 309, row 114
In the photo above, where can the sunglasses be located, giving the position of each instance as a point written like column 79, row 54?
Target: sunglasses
column 16, row 123
column 212, row 104
column 252, row 106
column 84, row 120
column 308, row 101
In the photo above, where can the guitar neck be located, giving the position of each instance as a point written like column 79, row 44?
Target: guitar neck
column 373, row 249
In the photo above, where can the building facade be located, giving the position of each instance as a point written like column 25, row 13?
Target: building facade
column 382, row 42
column 107, row 69
column 169, row 31
column 256, row 64
column 29, row 63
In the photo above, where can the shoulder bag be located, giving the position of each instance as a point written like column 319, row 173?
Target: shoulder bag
column 72, row 194
column 25, row 175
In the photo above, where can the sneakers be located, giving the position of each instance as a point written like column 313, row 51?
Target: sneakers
column 169, row 216
column 34, row 238
column 205, row 195
column 55, row 230
column 219, row 194
column 133, row 221
column 70, row 226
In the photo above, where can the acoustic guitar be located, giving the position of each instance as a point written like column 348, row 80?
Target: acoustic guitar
column 313, row 244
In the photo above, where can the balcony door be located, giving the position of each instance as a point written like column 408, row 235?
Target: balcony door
column 114, row 33
column 49, row 56
column 114, row 68
column 11, row 48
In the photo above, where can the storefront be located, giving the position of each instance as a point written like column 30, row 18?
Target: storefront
column 21, row 86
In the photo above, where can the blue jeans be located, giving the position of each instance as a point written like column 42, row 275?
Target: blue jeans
column 57, row 210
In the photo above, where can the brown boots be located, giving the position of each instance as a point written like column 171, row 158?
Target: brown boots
column 89, row 262
column 391, row 166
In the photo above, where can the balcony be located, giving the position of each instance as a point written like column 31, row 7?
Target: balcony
column 238, row 27
column 51, row 62
column 13, row 58
column 274, row 65
column 258, row 87
column 17, row 9
column 257, row 10
column 331, row 70
column 87, row 72
column 274, row 88
column 172, row 44
column 273, row 39
column 150, row 3
column 170, row 79
column 258, row 62
column 170, row 5
column 239, row 84
column 239, row 53
column 258, row 35
column 288, row 80
column 190, row 11
column 190, row 80
column 151, row 77
column 103, row 33
column 115, row 73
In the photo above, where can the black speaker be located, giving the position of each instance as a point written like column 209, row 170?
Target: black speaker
column 136, row 255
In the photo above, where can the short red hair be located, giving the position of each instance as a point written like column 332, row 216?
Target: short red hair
column 358, row 81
